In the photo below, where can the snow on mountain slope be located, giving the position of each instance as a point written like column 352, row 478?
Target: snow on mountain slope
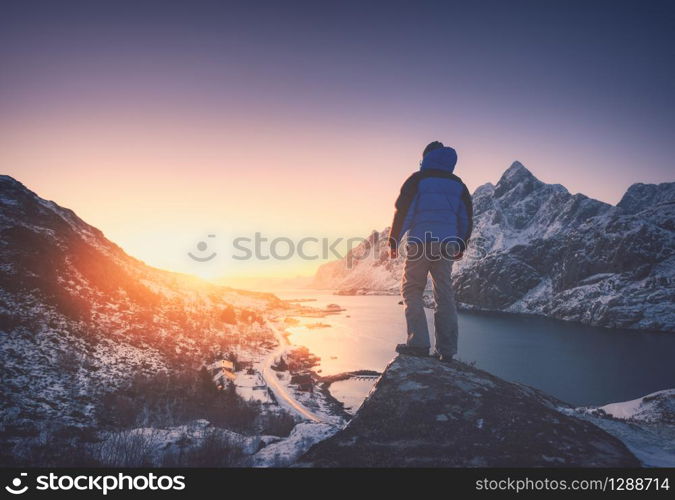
column 80, row 318
column 366, row 268
column 655, row 407
column 646, row 425
column 538, row 249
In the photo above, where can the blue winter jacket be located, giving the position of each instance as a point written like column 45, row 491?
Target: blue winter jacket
column 434, row 204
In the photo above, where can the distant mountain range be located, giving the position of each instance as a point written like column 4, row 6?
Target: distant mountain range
column 538, row 249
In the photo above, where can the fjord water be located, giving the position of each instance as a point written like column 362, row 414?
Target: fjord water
column 580, row 364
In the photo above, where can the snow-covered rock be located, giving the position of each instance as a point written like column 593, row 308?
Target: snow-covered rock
column 538, row 249
column 177, row 446
column 285, row 452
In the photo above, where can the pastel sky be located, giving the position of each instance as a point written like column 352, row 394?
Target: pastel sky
column 163, row 122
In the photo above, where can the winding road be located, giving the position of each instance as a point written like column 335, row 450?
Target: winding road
column 280, row 391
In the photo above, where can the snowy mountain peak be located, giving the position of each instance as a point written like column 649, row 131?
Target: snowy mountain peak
column 517, row 166
column 11, row 190
column 517, row 172
column 517, row 179
column 641, row 196
column 487, row 188
column 8, row 179
column 22, row 208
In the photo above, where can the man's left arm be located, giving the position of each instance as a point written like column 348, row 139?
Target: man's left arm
column 465, row 217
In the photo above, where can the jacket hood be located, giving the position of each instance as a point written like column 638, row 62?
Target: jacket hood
column 440, row 159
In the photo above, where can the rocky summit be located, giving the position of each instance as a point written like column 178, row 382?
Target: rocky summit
column 423, row 413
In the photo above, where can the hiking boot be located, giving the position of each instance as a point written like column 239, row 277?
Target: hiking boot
column 444, row 358
column 422, row 352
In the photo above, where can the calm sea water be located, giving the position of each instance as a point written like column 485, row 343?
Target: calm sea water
column 579, row 364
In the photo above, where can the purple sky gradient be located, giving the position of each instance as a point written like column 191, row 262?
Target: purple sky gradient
column 315, row 112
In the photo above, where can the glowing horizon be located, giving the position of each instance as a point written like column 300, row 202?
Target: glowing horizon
column 161, row 126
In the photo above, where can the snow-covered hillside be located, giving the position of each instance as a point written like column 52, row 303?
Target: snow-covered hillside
column 646, row 425
column 658, row 407
column 538, row 249
column 80, row 319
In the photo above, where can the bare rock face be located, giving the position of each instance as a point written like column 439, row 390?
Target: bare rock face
column 423, row 413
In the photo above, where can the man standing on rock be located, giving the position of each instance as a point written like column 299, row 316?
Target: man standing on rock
column 435, row 209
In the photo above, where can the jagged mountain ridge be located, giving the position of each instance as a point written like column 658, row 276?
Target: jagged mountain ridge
column 538, row 249
column 79, row 317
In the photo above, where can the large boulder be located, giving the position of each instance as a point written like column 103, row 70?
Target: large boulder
column 423, row 413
